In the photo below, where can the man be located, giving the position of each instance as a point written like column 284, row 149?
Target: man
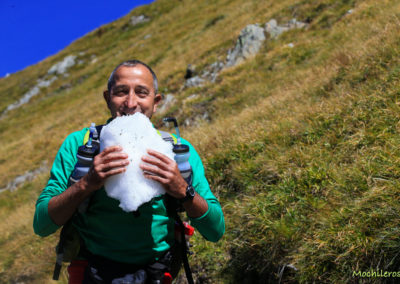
column 112, row 237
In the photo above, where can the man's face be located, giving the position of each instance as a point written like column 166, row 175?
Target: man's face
column 133, row 92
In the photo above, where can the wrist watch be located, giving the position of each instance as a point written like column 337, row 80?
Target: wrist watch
column 190, row 193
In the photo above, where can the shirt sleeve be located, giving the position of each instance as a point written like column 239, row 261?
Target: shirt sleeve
column 62, row 167
column 211, row 224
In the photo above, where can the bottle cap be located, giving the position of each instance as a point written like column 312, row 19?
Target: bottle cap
column 180, row 148
column 88, row 152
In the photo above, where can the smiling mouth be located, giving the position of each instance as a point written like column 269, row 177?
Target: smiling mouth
column 123, row 113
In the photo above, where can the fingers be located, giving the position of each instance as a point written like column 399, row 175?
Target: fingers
column 155, row 178
column 111, row 172
column 110, row 149
column 156, row 162
column 164, row 170
column 110, row 154
column 159, row 164
column 110, row 165
column 114, row 156
column 110, row 161
column 154, row 170
column 113, row 151
column 159, row 156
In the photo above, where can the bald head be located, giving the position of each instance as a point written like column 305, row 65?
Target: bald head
column 131, row 63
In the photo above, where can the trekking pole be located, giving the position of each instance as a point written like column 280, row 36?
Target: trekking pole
column 185, row 251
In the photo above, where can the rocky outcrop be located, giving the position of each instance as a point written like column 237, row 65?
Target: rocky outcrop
column 135, row 20
column 62, row 66
column 41, row 83
column 275, row 30
column 20, row 180
column 247, row 45
column 93, row 59
column 31, row 93
column 166, row 103
column 195, row 81
column 198, row 119
column 209, row 74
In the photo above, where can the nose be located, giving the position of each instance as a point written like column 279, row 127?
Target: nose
column 131, row 100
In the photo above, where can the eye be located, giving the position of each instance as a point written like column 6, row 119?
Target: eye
column 142, row 92
column 119, row 92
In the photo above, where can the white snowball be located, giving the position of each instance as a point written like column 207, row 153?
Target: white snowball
column 135, row 134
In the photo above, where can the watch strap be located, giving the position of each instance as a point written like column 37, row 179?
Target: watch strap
column 190, row 193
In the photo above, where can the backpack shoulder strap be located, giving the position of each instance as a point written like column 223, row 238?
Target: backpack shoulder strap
column 99, row 128
column 167, row 136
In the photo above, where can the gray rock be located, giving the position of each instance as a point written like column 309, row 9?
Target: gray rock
column 247, row 45
column 194, row 82
column 211, row 72
column 191, row 97
column 45, row 83
column 62, row 66
column 206, row 116
column 294, row 24
column 275, row 30
column 20, row 180
column 94, row 60
column 197, row 120
column 25, row 98
column 41, row 83
column 167, row 102
column 147, row 36
column 135, row 20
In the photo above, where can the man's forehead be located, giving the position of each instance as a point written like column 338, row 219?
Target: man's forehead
column 133, row 72
column 133, row 76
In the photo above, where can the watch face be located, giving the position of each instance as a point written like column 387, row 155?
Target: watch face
column 190, row 191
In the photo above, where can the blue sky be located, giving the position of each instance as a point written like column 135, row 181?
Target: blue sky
column 34, row 30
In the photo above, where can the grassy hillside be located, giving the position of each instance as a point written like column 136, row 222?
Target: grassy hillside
column 300, row 143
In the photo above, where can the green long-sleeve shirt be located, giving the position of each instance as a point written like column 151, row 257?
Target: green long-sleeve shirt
column 109, row 231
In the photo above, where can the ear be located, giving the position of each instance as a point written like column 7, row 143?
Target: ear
column 157, row 100
column 106, row 96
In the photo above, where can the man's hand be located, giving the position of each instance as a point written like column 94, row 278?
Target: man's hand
column 111, row 161
column 160, row 168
